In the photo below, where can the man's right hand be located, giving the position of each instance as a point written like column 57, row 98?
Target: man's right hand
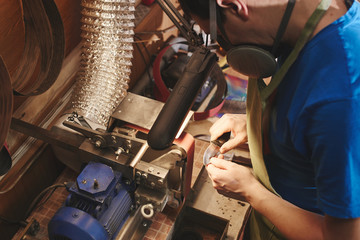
column 234, row 123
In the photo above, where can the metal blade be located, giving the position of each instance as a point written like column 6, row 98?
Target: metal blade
column 211, row 151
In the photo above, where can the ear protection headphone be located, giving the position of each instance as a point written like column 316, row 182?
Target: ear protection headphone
column 250, row 60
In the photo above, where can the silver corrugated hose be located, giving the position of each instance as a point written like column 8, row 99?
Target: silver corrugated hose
column 107, row 51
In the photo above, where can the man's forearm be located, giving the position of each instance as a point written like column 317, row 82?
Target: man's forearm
column 292, row 221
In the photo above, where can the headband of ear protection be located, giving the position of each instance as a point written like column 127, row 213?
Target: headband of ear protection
column 250, row 60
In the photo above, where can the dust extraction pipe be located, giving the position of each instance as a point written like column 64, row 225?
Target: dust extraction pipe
column 107, row 50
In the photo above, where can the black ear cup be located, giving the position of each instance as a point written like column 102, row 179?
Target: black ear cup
column 252, row 61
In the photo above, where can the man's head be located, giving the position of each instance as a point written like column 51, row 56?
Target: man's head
column 233, row 16
column 249, row 38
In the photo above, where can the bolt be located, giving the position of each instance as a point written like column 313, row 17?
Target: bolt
column 132, row 207
column 152, row 184
column 117, row 188
column 128, row 143
column 75, row 215
column 118, row 151
column 84, row 181
column 150, row 169
column 144, row 175
column 96, row 184
column 98, row 143
column 160, row 182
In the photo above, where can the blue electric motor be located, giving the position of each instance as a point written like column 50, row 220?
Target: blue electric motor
column 96, row 208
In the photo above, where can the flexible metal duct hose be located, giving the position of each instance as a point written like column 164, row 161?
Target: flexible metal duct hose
column 107, row 50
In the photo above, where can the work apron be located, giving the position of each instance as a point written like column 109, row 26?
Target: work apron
column 257, row 109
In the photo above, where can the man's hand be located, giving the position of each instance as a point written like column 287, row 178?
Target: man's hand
column 238, row 182
column 234, row 123
column 231, row 180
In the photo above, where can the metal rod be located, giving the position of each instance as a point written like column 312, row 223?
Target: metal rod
column 44, row 134
column 139, row 155
column 185, row 28
column 178, row 15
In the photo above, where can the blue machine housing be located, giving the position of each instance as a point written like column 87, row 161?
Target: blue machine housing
column 97, row 207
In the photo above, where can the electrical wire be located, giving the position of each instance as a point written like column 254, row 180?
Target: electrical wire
column 143, row 44
column 143, row 57
column 34, row 204
column 21, row 222
column 172, row 27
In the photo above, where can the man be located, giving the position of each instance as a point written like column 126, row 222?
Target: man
column 313, row 161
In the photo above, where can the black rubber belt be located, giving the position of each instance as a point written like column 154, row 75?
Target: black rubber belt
column 6, row 105
column 44, row 47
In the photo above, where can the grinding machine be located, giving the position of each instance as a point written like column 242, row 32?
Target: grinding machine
column 131, row 151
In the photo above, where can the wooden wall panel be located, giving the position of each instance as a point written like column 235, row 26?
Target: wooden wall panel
column 70, row 14
column 11, row 33
column 38, row 169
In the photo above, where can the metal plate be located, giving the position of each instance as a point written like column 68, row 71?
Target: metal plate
column 138, row 110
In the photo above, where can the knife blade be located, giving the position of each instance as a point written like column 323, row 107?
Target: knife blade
column 213, row 149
